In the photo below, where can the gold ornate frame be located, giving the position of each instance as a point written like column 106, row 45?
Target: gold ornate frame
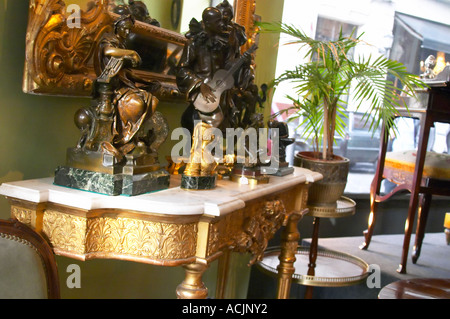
column 59, row 59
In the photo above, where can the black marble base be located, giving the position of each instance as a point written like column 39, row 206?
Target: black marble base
column 283, row 171
column 111, row 184
column 198, row 182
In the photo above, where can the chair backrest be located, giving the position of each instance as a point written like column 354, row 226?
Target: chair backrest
column 27, row 264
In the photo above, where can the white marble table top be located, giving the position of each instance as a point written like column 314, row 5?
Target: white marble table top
column 227, row 197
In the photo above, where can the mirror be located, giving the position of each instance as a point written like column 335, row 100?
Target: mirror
column 62, row 36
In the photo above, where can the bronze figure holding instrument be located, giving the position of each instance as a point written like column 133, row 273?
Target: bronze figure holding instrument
column 121, row 130
column 210, row 68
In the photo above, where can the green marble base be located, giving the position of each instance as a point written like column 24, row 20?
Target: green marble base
column 111, row 184
column 144, row 183
column 198, row 182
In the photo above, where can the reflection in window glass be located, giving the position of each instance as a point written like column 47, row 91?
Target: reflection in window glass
column 410, row 43
column 328, row 29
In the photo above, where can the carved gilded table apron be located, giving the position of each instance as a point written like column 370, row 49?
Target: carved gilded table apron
column 172, row 227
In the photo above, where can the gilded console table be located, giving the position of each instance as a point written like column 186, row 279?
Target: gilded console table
column 172, row 227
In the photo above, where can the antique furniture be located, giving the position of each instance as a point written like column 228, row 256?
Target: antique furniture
column 418, row 288
column 419, row 172
column 344, row 207
column 172, row 227
column 59, row 55
column 217, row 79
column 315, row 267
column 28, row 267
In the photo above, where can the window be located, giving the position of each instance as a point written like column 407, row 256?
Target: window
column 328, row 29
column 399, row 36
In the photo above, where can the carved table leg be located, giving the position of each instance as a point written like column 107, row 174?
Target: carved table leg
column 424, row 208
column 289, row 242
column 313, row 255
column 222, row 274
column 192, row 287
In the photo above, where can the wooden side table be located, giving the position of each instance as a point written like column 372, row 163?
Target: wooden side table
column 433, row 106
column 172, row 227
column 316, row 267
column 345, row 207
column 419, row 288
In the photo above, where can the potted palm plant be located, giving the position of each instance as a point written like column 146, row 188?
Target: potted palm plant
column 321, row 84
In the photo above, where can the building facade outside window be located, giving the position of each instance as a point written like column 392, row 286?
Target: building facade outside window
column 399, row 29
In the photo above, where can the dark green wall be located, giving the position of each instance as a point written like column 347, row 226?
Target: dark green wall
column 35, row 132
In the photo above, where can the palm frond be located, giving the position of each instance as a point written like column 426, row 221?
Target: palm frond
column 331, row 73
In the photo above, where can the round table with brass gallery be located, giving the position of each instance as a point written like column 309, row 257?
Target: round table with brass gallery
column 315, row 267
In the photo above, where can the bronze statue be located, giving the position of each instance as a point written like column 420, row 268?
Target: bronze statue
column 134, row 103
column 152, row 53
column 235, row 32
column 283, row 141
column 245, row 89
column 121, row 132
column 137, row 9
column 209, row 69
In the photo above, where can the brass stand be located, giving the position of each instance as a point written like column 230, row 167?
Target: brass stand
column 344, row 207
column 347, row 269
column 292, row 258
column 290, row 237
column 155, row 229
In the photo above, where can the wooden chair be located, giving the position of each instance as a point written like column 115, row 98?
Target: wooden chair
column 419, row 172
column 28, row 267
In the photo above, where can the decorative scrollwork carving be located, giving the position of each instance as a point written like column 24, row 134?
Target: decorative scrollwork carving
column 141, row 238
column 65, row 232
column 59, row 54
column 23, row 215
column 128, row 237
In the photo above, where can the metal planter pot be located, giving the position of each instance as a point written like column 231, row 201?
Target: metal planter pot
column 326, row 192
